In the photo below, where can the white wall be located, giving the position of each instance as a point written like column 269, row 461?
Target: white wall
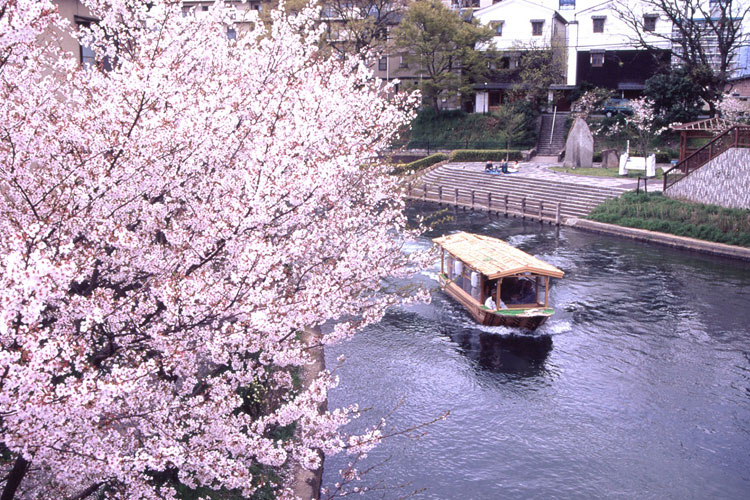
column 481, row 102
column 516, row 16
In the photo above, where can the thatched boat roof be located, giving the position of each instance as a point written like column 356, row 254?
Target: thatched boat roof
column 493, row 257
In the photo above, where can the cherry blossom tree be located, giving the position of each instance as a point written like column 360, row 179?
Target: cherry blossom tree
column 169, row 228
column 734, row 109
column 644, row 123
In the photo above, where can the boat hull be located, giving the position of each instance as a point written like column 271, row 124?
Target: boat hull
column 528, row 320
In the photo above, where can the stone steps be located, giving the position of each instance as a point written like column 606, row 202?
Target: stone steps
column 575, row 200
column 545, row 146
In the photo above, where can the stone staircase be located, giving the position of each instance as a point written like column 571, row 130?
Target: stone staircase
column 545, row 147
column 576, row 200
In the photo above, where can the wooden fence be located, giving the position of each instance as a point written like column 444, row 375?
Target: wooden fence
column 506, row 204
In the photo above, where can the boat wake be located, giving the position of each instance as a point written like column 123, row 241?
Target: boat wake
column 557, row 327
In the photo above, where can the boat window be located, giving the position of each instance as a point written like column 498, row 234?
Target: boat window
column 519, row 290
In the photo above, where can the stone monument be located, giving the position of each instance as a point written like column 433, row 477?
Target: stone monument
column 579, row 148
column 610, row 158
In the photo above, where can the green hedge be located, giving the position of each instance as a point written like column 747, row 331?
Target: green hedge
column 408, row 168
column 656, row 212
column 455, row 129
column 485, row 155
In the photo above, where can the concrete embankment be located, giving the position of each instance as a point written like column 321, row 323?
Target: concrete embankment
column 706, row 247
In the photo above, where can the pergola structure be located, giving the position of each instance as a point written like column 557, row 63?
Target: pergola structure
column 708, row 128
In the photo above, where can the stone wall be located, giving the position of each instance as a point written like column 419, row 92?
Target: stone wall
column 724, row 181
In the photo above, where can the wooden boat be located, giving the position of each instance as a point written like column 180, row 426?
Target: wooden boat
column 474, row 268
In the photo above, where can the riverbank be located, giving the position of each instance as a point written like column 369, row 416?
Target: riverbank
column 671, row 240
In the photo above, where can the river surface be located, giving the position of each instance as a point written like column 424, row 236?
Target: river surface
column 638, row 387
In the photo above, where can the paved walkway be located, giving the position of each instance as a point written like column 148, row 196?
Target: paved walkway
column 542, row 171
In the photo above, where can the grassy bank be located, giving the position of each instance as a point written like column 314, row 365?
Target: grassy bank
column 461, row 130
column 656, row 212
column 605, row 172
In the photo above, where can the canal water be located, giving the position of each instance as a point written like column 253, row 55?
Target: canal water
column 638, row 387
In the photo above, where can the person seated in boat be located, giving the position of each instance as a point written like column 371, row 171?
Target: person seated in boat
column 490, row 303
column 527, row 294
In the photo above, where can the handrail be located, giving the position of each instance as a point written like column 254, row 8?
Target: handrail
column 552, row 130
column 714, row 147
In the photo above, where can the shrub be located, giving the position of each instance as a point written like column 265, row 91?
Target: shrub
column 453, row 129
column 656, row 212
column 408, row 168
column 485, row 155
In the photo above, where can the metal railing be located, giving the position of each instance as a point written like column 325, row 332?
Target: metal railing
column 552, row 130
column 736, row 137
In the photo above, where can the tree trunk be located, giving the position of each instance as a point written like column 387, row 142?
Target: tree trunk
column 711, row 109
column 14, row 478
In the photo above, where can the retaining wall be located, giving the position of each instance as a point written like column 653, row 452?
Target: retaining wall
column 723, row 181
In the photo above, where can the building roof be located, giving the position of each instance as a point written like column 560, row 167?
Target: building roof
column 493, row 257
column 715, row 124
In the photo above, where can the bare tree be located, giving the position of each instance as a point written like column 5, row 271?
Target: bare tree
column 705, row 36
column 360, row 26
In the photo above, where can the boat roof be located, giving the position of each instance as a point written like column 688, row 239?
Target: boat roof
column 493, row 257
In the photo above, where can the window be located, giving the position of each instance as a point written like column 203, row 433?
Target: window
column 383, row 64
column 402, row 62
column 86, row 53
column 497, row 27
column 597, row 59
column 567, row 4
column 536, row 28
column 598, row 24
column 649, row 23
column 231, row 33
column 204, row 8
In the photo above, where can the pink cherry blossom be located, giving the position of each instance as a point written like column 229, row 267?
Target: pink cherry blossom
column 169, row 227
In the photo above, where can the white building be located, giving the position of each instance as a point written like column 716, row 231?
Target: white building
column 519, row 25
column 600, row 47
